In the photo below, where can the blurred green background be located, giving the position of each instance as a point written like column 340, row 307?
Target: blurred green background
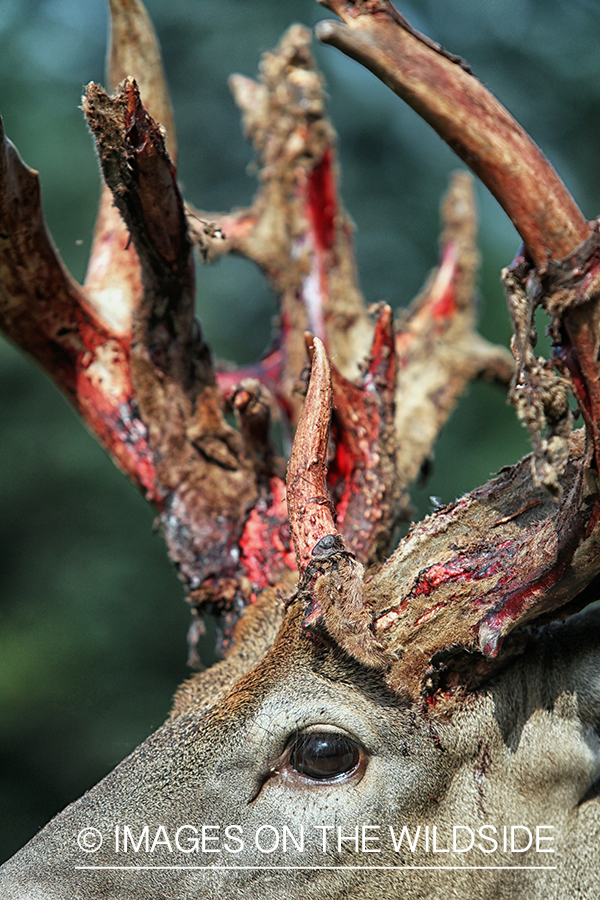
column 92, row 620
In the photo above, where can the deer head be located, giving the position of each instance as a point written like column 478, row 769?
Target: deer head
column 417, row 721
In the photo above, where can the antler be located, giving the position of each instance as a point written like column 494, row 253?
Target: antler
column 296, row 229
column 128, row 352
column 126, row 349
column 507, row 553
column 309, row 505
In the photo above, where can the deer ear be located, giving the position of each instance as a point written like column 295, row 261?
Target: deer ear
column 571, row 663
column 252, row 638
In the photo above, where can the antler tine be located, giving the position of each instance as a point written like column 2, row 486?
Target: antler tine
column 296, row 229
column 113, row 280
column 309, row 506
column 134, row 50
column 442, row 89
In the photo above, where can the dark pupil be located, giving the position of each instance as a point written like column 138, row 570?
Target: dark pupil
column 323, row 755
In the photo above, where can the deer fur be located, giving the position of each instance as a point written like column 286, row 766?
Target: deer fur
column 216, row 761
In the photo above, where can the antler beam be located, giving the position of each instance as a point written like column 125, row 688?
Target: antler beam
column 442, row 89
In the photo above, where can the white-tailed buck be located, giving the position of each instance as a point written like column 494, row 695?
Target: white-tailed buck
column 423, row 724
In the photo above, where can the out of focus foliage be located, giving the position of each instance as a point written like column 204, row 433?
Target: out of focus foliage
column 92, row 621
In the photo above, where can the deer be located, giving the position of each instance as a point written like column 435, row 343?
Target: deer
column 415, row 718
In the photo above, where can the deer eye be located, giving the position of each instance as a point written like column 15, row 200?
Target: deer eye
column 324, row 755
